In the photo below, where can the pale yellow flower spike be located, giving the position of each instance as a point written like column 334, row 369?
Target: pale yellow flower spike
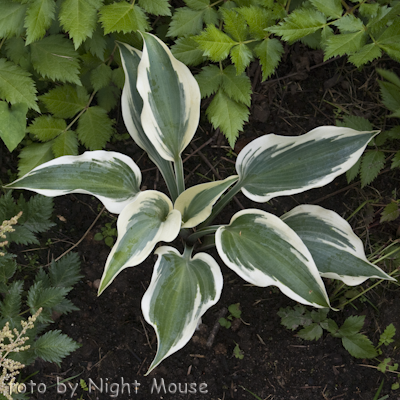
column 10, row 368
column 6, row 226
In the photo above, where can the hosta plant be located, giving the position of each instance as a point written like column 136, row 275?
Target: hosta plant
column 161, row 105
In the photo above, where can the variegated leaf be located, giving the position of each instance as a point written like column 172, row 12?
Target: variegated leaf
column 132, row 105
column 181, row 290
column 336, row 250
column 141, row 225
column 111, row 177
column 171, row 99
column 195, row 204
column 265, row 251
column 272, row 165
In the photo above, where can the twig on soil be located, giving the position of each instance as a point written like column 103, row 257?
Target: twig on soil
column 145, row 331
column 216, row 327
column 98, row 362
column 137, row 373
column 205, row 159
column 373, row 366
column 81, row 239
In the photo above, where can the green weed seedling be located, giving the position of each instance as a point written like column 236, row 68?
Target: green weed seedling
column 315, row 322
column 237, row 352
column 234, row 312
column 161, row 109
column 108, row 234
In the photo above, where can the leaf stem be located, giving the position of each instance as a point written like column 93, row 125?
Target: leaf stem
column 201, row 232
column 179, row 175
column 221, row 204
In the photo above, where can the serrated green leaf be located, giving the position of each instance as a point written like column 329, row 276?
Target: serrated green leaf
column 299, row 23
column 235, row 25
column 387, row 335
column 390, row 212
column 79, row 18
column 380, row 20
column 65, row 144
column 66, row 271
column 396, row 160
column 228, row 115
column 214, row 43
column 330, row 8
column 311, row 332
column 97, row 43
column 197, row 4
column 269, row 51
column 108, row 97
column 33, row 155
column 65, row 101
column 11, row 305
column 54, row 57
column 237, row 87
column 36, row 214
column 8, row 266
column 359, row 346
column 16, row 85
column 46, row 127
column 356, row 123
column 257, row 18
column 367, row 54
column 389, row 41
column 11, row 18
column 18, row 53
column 186, row 22
column 369, row 10
column 123, row 17
column 211, row 16
column 345, row 43
column 118, row 77
column 371, row 164
column 294, row 317
column 390, row 95
column 209, row 80
column 349, row 24
column 39, row 296
column 241, row 55
column 353, row 171
column 187, row 51
column 100, row 77
column 352, row 325
column 156, row 7
column 38, row 19
column 12, row 123
column 53, row 346
column 94, row 128
column 389, row 76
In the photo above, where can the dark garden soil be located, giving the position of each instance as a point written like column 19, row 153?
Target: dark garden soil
column 118, row 345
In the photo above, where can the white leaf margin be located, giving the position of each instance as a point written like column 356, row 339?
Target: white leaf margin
column 257, row 277
column 112, row 205
column 260, row 144
column 343, row 228
column 168, row 231
column 191, row 320
column 185, row 199
column 192, row 101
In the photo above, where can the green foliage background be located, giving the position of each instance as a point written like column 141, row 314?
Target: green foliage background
column 60, row 73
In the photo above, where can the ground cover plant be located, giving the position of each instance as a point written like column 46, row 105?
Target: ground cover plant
column 160, row 105
column 61, row 77
column 23, row 340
